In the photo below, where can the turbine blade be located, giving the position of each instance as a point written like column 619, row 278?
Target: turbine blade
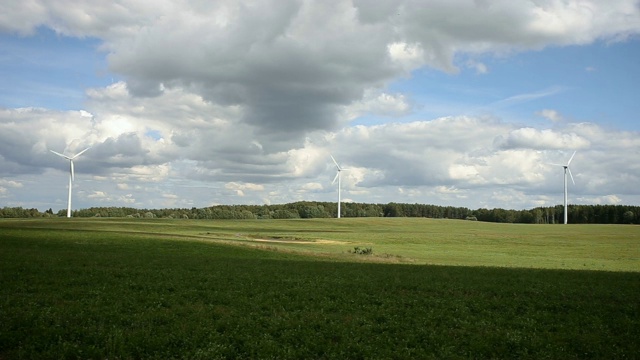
column 71, row 170
column 574, row 154
column 335, row 178
column 335, row 162
column 80, row 153
column 571, row 176
column 57, row 153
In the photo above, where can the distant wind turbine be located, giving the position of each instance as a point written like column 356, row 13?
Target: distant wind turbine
column 338, row 177
column 566, row 169
column 71, row 175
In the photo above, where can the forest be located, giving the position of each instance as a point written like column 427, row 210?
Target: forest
column 578, row 214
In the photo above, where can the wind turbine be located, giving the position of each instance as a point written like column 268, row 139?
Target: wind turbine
column 338, row 177
column 71, row 175
column 566, row 169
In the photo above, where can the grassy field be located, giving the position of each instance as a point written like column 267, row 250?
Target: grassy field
column 396, row 240
column 116, row 288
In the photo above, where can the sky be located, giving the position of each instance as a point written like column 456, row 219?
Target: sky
column 191, row 103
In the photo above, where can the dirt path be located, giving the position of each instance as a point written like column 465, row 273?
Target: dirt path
column 280, row 241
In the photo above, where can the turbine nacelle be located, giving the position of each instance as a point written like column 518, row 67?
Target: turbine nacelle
column 72, row 157
column 570, row 175
column 566, row 167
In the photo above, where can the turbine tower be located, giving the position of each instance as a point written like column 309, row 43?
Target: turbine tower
column 71, row 175
column 338, row 177
column 566, row 169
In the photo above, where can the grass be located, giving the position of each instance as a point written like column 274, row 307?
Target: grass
column 397, row 240
column 176, row 289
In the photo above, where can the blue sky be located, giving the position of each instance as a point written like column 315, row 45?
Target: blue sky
column 50, row 70
column 594, row 83
column 197, row 104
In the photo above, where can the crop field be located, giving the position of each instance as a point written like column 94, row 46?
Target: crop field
column 196, row 289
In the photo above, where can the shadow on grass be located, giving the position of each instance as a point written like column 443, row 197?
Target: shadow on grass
column 86, row 295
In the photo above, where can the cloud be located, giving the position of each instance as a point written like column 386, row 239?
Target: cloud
column 379, row 104
column 23, row 131
column 479, row 67
column 97, row 195
column 11, row 183
column 531, row 138
column 249, row 98
column 239, row 188
column 523, row 98
column 312, row 186
column 465, row 161
column 448, row 190
column 291, row 66
column 106, row 198
column 550, row 115
column 602, row 200
column 406, row 56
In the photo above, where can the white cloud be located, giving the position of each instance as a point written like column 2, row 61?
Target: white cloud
column 380, row 104
column 541, row 139
column 448, row 161
column 240, row 188
column 406, row 56
column 103, row 198
column 448, row 190
column 601, row 200
column 480, row 68
column 11, row 183
column 526, row 97
column 313, row 186
column 550, row 115
column 97, row 195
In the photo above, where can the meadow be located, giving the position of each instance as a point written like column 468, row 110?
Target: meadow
column 162, row 289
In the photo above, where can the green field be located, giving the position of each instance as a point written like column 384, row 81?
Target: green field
column 129, row 288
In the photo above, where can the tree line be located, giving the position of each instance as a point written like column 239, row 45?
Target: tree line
column 578, row 214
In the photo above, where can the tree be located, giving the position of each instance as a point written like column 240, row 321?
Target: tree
column 393, row 210
column 629, row 217
column 285, row 214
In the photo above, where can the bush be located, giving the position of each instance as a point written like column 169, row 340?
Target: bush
column 362, row 251
column 628, row 217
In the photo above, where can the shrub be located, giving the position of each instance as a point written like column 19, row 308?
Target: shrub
column 362, row 251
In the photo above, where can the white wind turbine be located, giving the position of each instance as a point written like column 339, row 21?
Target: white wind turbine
column 338, row 177
column 566, row 169
column 71, row 175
